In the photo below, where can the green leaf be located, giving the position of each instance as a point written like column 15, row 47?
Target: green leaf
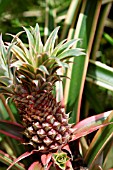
column 70, row 19
column 70, row 52
column 99, row 142
column 31, row 42
column 3, row 52
column 17, row 64
column 5, row 80
column 38, row 43
column 85, row 30
column 44, row 69
column 27, row 73
column 60, row 159
column 7, row 160
column 91, row 93
column 6, row 90
column 65, row 46
column 3, row 71
column 100, row 74
column 55, row 51
column 17, row 40
column 107, row 155
column 18, row 52
column 108, row 38
column 49, row 45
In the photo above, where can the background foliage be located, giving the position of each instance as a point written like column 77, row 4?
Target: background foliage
column 91, row 76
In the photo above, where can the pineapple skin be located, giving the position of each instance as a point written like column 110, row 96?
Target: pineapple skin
column 46, row 124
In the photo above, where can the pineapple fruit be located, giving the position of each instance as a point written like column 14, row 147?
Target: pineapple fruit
column 35, row 69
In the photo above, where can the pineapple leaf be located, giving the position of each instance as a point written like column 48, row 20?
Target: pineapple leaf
column 36, row 166
column 45, row 159
column 38, row 43
column 5, row 80
column 3, row 52
column 57, row 62
column 24, row 155
column 31, row 42
column 24, row 71
column 11, row 129
column 7, row 160
column 62, row 64
column 15, row 36
column 55, row 68
column 70, row 52
column 91, row 124
column 6, row 90
column 21, row 44
column 43, row 69
column 29, row 67
column 40, row 77
column 49, row 45
column 67, row 45
column 3, row 71
column 17, row 64
column 4, row 59
column 18, row 52
column 58, row 47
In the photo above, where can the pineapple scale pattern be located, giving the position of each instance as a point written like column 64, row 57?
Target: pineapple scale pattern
column 46, row 124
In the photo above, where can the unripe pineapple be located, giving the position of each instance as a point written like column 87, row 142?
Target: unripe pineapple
column 35, row 73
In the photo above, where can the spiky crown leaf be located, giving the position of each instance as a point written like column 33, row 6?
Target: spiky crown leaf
column 6, row 77
column 38, row 61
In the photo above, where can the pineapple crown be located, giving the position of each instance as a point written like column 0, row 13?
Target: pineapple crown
column 35, row 62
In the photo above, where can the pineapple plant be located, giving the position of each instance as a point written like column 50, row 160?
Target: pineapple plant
column 35, row 71
column 28, row 76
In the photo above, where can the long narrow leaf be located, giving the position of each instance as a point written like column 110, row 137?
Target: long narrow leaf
column 107, row 154
column 31, row 41
column 7, row 160
column 99, row 142
column 70, row 17
column 67, row 45
column 24, row 155
column 100, row 74
column 50, row 16
column 70, row 52
column 38, row 43
column 11, row 129
column 91, row 124
column 19, row 53
column 49, row 45
column 85, row 30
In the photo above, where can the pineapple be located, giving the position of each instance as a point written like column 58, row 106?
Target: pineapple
column 35, row 71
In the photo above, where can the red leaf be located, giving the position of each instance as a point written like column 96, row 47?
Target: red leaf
column 11, row 135
column 92, row 121
column 11, row 123
column 45, row 158
column 85, row 132
column 69, row 165
column 36, row 166
column 66, row 147
column 90, row 124
column 24, row 155
column 12, row 129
